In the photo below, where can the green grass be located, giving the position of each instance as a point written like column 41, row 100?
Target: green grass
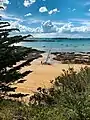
column 12, row 110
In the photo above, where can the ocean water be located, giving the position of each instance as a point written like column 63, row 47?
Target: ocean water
column 62, row 45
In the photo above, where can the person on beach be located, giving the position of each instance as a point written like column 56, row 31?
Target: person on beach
column 41, row 62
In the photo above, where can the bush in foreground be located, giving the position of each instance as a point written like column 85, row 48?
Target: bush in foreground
column 68, row 99
column 70, row 93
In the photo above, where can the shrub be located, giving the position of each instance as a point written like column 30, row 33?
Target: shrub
column 70, row 92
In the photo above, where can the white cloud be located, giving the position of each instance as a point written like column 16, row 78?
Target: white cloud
column 71, row 29
column 27, row 3
column 89, row 10
column 59, row 23
column 9, row 17
column 24, row 29
column 7, row 1
column 86, row 23
column 28, row 14
column 65, row 28
column 4, row 1
column 73, row 10
column 49, row 27
column 38, row 30
column 3, row 4
column 80, row 29
column 53, row 11
column 43, row 9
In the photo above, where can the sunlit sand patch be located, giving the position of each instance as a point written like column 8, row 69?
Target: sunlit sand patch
column 42, row 74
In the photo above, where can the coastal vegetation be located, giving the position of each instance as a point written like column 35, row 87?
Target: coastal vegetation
column 67, row 99
column 9, row 56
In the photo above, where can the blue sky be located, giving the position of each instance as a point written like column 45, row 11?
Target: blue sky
column 48, row 18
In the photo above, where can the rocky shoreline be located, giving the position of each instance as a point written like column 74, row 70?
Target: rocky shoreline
column 72, row 57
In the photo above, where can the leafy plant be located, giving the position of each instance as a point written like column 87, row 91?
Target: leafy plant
column 70, row 92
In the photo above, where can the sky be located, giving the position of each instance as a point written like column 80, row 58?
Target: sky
column 48, row 18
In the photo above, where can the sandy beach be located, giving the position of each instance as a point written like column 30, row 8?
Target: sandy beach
column 42, row 74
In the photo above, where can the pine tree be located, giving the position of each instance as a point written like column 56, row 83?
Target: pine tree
column 9, row 55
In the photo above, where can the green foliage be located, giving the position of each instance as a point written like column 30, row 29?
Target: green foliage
column 69, row 99
column 12, row 110
column 70, row 92
column 74, row 91
column 9, row 55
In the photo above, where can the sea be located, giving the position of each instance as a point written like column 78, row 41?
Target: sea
column 60, row 44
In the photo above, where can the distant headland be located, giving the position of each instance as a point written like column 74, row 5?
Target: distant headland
column 33, row 39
